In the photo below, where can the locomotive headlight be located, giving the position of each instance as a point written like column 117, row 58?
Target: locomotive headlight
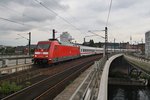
column 45, row 53
column 35, row 55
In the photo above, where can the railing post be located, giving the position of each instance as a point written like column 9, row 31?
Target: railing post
column 25, row 61
column 16, row 61
column 4, row 62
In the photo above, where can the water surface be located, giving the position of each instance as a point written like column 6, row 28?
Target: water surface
column 116, row 92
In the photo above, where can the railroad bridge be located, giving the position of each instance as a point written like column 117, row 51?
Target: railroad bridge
column 120, row 69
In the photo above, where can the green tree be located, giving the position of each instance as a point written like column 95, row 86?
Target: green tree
column 91, row 43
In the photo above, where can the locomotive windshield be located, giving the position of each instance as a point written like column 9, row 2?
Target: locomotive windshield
column 43, row 46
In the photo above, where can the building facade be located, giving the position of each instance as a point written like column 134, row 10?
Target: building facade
column 147, row 44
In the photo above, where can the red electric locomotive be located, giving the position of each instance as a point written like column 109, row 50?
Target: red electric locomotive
column 48, row 52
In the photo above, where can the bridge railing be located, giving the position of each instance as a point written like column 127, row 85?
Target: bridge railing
column 5, row 62
column 13, row 56
column 139, row 56
column 88, row 89
column 140, row 63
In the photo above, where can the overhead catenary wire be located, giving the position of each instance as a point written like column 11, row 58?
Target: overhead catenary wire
column 109, row 13
column 18, row 13
column 9, row 20
column 15, row 11
column 96, row 34
column 16, row 22
column 67, row 13
column 72, row 17
column 22, row 23
column 57, row 14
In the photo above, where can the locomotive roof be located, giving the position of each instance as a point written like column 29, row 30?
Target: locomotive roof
column 50, row 40
column 55, row 42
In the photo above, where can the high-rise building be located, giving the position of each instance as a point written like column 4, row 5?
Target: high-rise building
column 66, row 38
column 147, row 44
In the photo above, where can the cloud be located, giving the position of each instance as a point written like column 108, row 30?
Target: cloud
column 27, row 12
column 127, row 17
column 34, row 15
column 10, row 27
column 32, row 3
column 124, row 4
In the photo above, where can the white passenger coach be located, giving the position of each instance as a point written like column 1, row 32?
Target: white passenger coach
column 85, row 50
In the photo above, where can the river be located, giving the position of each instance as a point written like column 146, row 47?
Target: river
column 116, row 92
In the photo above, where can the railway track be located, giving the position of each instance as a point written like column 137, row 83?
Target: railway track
column 28, row 74
column 60, row 85
column 52, row 84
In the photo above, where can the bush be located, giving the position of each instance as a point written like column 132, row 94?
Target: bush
column 28, row 83
column 7, row 87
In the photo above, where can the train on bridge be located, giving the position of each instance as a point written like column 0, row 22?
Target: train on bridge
column 49, row 52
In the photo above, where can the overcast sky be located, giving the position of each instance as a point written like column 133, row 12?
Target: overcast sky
column 128, row 18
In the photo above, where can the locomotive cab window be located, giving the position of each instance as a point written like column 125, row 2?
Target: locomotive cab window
column 43, row 46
